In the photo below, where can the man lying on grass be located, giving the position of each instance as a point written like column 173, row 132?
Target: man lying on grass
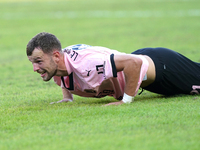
column 94, row 71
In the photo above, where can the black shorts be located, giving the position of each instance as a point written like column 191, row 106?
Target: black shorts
column 175, row 74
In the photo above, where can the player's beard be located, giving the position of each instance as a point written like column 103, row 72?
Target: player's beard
column 50, row 74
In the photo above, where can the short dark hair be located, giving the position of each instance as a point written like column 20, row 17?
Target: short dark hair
column 47, row 42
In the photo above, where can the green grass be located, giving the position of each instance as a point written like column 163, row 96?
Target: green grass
column 153, row 121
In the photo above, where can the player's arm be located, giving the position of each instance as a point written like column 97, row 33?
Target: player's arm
column 131, row 67
column 67, row 96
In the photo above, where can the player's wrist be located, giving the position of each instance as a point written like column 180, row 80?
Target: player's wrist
column 127, row 99
column 67, row 99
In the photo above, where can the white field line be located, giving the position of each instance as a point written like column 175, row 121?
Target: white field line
column 98, row 14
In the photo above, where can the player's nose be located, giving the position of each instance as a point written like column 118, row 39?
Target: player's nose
column 35, row 67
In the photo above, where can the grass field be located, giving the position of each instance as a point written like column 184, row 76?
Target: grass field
column 151, row 122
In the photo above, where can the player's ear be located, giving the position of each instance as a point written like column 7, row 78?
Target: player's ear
column 56, row 56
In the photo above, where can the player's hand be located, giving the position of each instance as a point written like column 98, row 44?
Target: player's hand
column 115, row 103
column 63, row 100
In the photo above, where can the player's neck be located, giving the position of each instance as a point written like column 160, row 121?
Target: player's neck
column 61, row 70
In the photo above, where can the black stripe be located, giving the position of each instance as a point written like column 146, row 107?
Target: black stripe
column 71, row 82
column 62, row 79
column 114, row 70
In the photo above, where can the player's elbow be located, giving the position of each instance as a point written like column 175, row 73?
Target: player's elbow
column 136, row 63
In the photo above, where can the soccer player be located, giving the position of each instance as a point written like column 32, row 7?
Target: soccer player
column 94, row 71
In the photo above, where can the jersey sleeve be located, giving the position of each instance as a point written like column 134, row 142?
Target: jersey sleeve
column 109, row 68
column 57, row 80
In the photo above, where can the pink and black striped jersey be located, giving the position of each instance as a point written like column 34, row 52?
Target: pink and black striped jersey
column 92, row 72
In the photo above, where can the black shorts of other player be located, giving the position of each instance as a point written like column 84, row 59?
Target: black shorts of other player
column 175, row 74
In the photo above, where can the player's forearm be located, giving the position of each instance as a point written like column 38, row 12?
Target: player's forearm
column 132, row 75
column 67, row 94
column 131, row 79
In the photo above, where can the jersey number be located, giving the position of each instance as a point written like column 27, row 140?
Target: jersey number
column 75, row 54
column 99, row 70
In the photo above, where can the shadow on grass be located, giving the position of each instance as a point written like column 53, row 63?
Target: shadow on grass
column 146, row 96
column 106, row 100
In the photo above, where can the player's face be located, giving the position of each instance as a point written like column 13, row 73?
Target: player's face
column 43, row 63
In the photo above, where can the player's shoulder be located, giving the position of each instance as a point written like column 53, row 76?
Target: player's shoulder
column 88, row 49
column 76, row 47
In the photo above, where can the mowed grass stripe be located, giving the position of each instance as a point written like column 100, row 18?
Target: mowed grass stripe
column 99, row 14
